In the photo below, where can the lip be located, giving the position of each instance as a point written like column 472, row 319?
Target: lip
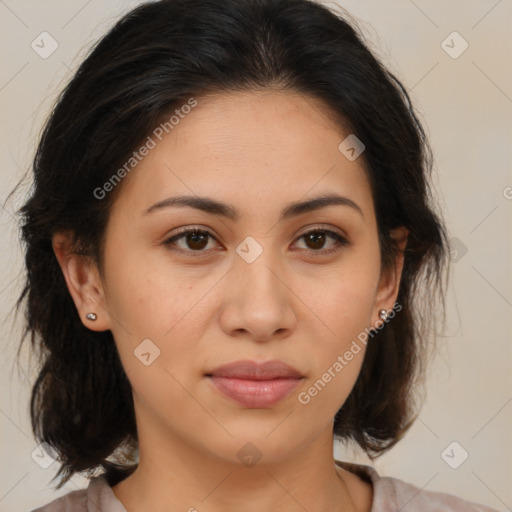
column 255, row 385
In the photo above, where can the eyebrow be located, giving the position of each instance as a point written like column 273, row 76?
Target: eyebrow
column 214, row 207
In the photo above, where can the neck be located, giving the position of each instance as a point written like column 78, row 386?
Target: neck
column 178, row 477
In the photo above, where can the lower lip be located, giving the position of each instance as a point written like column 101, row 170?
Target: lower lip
column 255, row 394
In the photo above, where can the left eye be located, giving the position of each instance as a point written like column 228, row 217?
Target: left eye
column 317, row 238
column 197, row 240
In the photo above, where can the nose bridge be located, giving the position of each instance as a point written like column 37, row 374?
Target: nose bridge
column 259, row 302
column 255, row 268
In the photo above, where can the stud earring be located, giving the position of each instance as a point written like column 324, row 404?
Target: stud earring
column 91, row 316
column 383, row 315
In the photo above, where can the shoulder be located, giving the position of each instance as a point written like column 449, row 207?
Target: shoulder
column 391, row 494
column 75, row 501
column 424, row 500
column 98, row 496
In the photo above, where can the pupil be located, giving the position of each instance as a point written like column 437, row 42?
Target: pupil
column 318, row 239
column 197, row 240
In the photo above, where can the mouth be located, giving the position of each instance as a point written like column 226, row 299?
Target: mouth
column 255, row 385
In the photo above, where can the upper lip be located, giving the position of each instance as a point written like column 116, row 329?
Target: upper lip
column 253, row 370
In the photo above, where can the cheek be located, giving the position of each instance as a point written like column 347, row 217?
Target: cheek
column 147, row 296
column 344, row 302
column 344, row 297
column 337, row 356
column 143, row 307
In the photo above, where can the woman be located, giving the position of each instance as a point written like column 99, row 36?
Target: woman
column 227, row 247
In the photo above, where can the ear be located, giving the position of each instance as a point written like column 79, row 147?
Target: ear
column 389, row 282
column 83, row 282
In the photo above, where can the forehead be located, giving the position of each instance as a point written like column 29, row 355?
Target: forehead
column 260, row 149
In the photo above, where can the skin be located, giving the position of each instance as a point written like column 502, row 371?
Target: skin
column 258, row 151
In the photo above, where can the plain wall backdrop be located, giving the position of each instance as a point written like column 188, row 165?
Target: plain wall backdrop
column 464, row 98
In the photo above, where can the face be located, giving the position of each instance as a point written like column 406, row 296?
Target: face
column 243, row 276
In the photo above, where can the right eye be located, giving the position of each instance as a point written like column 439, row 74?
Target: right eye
column 189, row 240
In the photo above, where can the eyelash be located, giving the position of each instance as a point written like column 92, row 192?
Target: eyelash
column 340, row 241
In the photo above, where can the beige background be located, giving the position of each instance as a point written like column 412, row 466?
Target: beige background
column 466, row 104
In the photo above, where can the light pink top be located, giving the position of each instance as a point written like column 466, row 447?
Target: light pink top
column 389, row 495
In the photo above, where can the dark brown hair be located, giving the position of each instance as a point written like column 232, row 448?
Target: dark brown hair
column 155, row 58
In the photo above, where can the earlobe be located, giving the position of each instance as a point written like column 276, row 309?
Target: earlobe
column 83, row 282
column 390, row 281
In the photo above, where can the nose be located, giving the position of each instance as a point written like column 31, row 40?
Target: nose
column 259, row 303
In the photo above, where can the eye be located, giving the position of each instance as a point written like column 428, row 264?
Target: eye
column 190, row 240
column 315, row 240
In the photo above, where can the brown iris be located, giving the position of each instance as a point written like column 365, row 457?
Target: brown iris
column 317, row 238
